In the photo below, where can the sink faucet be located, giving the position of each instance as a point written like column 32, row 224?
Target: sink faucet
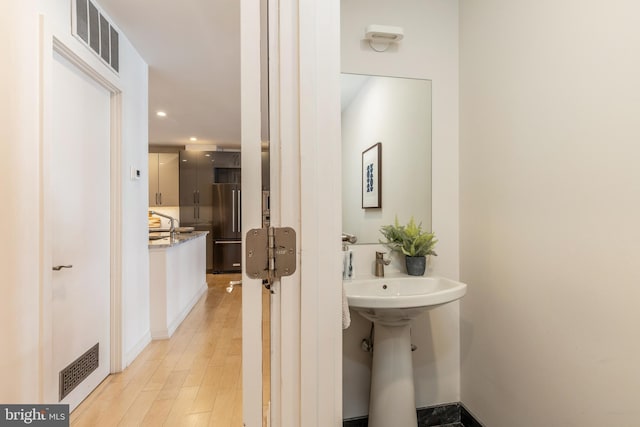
column 351, row 238
column 172, row 227
column 380, row 263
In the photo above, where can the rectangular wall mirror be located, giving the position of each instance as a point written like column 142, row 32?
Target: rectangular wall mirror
column 395, row 112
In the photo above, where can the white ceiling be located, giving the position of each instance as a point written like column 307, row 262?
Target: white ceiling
column 193, row 51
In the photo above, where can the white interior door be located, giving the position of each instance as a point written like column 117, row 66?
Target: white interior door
column 80, row 208
column 304, row 136
column 252, row 384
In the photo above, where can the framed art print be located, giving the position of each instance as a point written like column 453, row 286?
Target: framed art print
column 372, row 177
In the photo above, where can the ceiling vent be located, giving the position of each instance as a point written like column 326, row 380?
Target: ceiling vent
column 93, row 28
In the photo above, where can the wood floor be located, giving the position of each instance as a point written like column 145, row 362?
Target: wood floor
column 192, row 379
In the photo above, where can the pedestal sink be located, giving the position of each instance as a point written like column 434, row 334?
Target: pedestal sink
column 391, row 303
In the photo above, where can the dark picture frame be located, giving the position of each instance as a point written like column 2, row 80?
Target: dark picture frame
column 372, row 177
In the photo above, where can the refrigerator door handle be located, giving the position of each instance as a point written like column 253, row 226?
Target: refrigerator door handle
column 239, row 211
column 233, row 211
column 227, row 242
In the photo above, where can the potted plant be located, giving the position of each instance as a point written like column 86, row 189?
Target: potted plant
column 414, row 243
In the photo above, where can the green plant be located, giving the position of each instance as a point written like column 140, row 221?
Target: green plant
column 409, row 239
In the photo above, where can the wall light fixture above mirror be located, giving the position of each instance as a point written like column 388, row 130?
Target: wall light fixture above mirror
column 397, row 112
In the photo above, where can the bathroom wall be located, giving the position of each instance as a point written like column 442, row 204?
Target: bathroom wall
column 550, row 209
column 22, row 216
column 428, row 51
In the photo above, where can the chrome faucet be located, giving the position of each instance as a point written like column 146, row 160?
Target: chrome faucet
column 172, row 227
column 380, row 263
column 350, row 238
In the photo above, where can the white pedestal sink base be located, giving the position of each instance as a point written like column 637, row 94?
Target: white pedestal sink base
column 392, row 398
column 391, row 303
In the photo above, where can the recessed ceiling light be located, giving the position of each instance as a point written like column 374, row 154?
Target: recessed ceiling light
column 161, row 114
column 193, row 138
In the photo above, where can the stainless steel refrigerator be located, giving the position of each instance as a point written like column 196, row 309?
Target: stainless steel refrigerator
column 227, row 226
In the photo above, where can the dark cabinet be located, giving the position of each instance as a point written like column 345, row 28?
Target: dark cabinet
column 226, row 167
column 196, row 180
column 226, row 159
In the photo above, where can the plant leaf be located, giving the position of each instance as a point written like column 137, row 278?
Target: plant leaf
column 409, row 239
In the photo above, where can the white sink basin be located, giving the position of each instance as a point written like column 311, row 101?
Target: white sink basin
column 399, row 299
column 403, row 291
column 391, row 303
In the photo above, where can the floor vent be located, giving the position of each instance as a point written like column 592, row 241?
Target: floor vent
column 78, row 370
column 93, row 28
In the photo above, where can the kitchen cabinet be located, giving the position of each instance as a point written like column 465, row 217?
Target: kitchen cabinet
column 226, row 167
column 226, row 159
column 196, row 198
column 177, row 281
column 196, row 178
column 164, row 179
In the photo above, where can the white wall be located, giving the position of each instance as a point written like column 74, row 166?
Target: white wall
column 19, row 187
column 428, row 51
column 134, row 78
column 23, row 243
column 550, row 209
column 396, row 113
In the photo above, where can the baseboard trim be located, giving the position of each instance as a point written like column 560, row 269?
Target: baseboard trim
column 467, row 419
column 183, row 314
column 131, row 355
column 166, row 333
column 433, row 416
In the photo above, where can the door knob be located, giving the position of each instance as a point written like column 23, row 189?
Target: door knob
column 60, row 267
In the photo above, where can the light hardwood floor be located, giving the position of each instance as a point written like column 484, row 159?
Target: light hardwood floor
column 192, row 379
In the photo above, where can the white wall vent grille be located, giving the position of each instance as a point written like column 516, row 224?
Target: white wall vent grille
column 91, row 26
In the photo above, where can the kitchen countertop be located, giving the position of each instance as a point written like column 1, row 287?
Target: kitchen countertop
column 168, row 242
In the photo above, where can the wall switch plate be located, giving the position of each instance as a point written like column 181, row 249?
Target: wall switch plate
column 135, row 174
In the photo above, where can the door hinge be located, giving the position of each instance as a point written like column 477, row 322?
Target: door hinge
column 271, row 253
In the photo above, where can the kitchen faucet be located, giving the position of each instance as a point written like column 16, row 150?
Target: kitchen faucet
column 172, row 227
column 380, row 263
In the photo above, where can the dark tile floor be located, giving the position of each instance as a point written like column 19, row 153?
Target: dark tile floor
column 450, row 415
column 363, row 423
